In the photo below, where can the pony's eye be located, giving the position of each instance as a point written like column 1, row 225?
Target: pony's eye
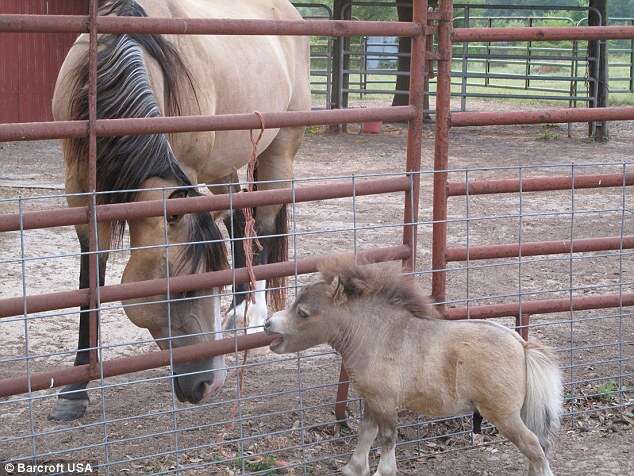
column 302, row 313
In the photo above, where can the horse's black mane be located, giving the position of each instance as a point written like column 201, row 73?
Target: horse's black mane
column 124, row 91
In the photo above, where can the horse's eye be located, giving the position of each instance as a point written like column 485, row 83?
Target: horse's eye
column 302, row 313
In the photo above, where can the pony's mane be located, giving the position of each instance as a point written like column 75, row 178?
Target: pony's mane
column 124, row 91
column 384, row 281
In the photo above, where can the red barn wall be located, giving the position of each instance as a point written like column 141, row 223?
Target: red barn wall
column 29, row 62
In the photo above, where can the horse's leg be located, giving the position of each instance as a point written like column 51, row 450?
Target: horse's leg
column 234, row 222
column 387, row 436
column 73, row 400
column 275, row 164
column 513, row 428
column 359, row 464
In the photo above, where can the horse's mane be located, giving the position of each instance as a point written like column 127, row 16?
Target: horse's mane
column 124, row 91
column 384, row 281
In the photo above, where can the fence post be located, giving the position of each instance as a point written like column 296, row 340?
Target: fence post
column 441, row 154
column 465, row 63
column 598, row 67
column 418, row 66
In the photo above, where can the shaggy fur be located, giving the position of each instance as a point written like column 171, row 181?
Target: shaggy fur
column 385, row 281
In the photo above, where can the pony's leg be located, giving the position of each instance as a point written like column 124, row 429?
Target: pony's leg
column 73, row 400
column 274, row 171
column 513, row 428
column 359, row 464
column 387, row 436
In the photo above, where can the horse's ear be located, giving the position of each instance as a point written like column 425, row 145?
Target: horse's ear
column 180, row 193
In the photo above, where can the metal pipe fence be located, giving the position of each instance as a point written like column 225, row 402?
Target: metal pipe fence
column 523, row 70
column 283, row 420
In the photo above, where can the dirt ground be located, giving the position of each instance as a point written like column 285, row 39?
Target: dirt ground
column 286, row 411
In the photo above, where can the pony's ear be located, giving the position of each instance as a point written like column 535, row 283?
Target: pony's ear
column 337, row 291
column 344, row 287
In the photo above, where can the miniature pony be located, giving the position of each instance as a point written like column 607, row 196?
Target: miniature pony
column 400, row 354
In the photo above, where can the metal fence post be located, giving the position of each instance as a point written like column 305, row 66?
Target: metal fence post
column 441, row 153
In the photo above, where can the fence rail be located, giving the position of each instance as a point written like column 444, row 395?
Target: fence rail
column 407, row 183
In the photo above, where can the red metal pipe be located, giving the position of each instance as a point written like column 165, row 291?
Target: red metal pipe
column 204, row 26
column 93, row 271
column 223, row 122
column 192, row 282
column 579, row 303
column 124, row 365
column 543, row 34
column 415, row 133
column 154, row 208
column 341, row 402
column 544, row 116
column 441, row 153
column 539, row 248
column 539, row 184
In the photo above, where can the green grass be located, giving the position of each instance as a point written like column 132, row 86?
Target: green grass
column 512, row 87
column 606, row 391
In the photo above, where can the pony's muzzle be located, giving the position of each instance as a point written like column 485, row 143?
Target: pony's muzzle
column 194, row 382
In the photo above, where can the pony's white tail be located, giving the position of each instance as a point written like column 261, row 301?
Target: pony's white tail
column 543, row 401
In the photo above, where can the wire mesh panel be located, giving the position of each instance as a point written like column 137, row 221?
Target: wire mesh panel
column 540, row 243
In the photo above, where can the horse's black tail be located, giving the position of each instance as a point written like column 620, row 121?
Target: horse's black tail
column 276, row 297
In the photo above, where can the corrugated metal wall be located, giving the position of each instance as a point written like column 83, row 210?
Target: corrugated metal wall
column 29, row 62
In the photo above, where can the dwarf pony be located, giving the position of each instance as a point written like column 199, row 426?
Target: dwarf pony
column 399, row 354
column 147, row 76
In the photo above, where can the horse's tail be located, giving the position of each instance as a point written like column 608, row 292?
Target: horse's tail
column 279, row 252
column 543, row 401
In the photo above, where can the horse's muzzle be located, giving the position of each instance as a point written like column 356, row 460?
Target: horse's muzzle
column 197, row 381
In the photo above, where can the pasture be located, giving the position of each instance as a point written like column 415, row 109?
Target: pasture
column 284, row 423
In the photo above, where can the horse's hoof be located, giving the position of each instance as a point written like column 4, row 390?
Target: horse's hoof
column 68, row 410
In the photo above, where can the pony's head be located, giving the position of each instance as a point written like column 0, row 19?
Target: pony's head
column 336, row 307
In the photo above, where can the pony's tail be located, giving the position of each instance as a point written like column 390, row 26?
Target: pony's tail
column 276, row 297
column 543, row 402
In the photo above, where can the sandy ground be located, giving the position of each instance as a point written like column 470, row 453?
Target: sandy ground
column 293, row 398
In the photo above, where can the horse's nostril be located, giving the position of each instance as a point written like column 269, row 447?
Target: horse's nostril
column 198, row 392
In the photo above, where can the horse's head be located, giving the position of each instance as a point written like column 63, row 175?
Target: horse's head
column 194, row 245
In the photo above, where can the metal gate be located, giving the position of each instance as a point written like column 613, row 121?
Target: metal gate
column 425, row 25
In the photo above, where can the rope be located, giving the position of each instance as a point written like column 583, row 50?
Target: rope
column 250, row 234
column 250, row 239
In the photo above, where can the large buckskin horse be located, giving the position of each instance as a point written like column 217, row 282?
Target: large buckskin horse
column 144, row 76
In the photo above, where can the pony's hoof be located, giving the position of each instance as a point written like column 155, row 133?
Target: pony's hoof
column 68, row 410
column 349, row 470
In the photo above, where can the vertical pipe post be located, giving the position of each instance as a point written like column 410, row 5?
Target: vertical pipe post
column 441, row 154
column 465, row 63
column 487, row 61
column 415, row 132
column 632, row 62
column 598, row 67
column 521, row 325
column 341, row 404
column 92, row 180
column 529, row 48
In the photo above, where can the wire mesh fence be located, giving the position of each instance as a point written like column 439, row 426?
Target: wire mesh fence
column 277, row 413
column 282, row 417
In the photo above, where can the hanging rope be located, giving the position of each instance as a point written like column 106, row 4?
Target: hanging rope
column 250, row 241
column 250, row 234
